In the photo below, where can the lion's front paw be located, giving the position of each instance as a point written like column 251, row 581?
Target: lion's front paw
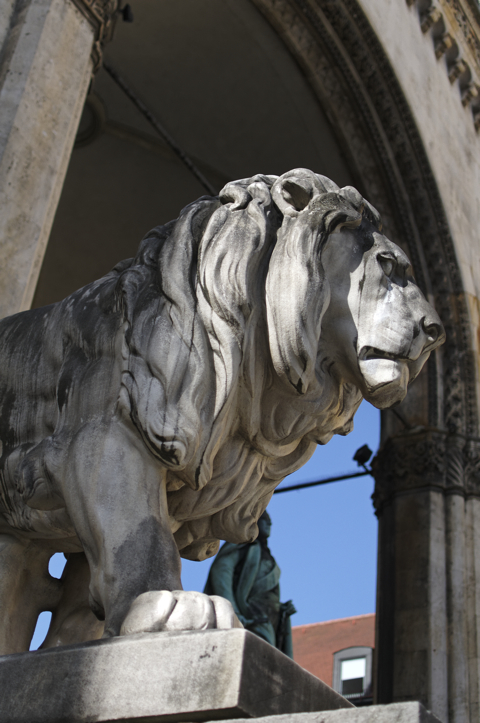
column 178, row 610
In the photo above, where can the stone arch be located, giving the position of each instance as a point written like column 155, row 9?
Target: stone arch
column 354, row 82
column 427, row 492
column 426, row 473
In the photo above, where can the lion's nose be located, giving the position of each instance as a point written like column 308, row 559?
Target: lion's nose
column 434, row 331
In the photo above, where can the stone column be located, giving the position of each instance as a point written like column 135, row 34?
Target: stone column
column 48, row 51
column 471, row 454
column 428, row 608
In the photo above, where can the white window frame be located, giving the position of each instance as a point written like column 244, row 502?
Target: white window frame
column 350, row 654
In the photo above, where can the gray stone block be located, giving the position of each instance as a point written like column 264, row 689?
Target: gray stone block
column 189, row 676
column 413, row 712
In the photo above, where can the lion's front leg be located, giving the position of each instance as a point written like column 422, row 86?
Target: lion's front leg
column 116, row 495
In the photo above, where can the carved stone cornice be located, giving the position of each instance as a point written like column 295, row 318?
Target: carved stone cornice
column 464, row 15
column 454, row 26
column 429, row 459
column 102, row 15
column 409, row 462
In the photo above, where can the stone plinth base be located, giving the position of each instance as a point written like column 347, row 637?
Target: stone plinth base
column 196, row 676
column 393, row 713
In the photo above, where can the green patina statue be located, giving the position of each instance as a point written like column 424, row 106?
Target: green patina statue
column 248, row 576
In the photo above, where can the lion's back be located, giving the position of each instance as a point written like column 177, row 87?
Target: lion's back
column 40, row 349
column 28, row 362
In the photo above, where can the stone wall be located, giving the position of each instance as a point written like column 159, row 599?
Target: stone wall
column 446, row 109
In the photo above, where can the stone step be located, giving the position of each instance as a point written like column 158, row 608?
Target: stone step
column 411, row 712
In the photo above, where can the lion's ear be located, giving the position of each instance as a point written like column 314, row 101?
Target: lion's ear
column 293, row 191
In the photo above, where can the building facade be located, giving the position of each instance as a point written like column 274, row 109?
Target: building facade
column 341, row 653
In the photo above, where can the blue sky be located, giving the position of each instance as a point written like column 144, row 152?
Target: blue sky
column 324, row 539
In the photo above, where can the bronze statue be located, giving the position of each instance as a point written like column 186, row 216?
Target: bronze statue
column 248, row 576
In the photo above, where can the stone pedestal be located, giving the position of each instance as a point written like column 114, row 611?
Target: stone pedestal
column 195, row 676
column 395, row 713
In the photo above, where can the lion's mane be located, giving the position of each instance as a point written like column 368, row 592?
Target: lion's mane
column 222, row 312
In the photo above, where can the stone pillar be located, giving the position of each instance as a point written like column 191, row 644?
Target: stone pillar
column 48, row 52
column 428, row 609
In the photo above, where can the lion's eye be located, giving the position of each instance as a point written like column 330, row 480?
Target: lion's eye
column 387, row 265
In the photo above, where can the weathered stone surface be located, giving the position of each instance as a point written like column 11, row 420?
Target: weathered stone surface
column 395, row 713
column 44, row 76
column 450, row 138
column 167, row 677
column 155, row 411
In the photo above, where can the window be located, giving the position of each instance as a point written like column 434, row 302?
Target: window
column 352, row 674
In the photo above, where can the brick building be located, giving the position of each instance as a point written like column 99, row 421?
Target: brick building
column 339, row 652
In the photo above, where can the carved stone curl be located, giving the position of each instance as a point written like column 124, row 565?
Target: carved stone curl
column 102, row 15
column 155, row 411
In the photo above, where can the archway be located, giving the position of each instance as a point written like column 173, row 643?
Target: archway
column 426, row 484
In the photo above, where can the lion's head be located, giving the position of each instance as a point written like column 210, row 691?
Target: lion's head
column 339, row 290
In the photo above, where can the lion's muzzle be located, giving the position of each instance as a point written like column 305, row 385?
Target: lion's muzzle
column 387, row 368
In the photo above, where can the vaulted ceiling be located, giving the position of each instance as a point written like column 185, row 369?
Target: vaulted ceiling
column 220, row 80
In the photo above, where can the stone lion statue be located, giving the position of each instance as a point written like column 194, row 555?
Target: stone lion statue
column 153, row 412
